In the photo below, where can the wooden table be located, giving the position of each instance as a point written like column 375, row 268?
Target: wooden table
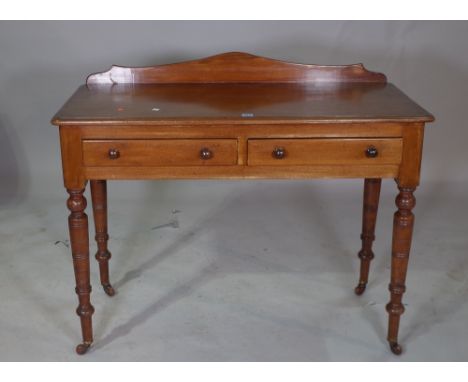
column 239, row 116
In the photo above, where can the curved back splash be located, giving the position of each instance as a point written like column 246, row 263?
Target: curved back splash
column 235, row 67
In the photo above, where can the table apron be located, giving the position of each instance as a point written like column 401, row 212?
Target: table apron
column 242, row 172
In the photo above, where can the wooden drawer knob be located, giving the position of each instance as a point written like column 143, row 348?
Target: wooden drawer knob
column 206, row 153
column 371, row 152
column 279, row 153
column 114, row 153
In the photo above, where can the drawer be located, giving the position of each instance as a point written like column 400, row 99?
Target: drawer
column 358, row 151
column 160, row 152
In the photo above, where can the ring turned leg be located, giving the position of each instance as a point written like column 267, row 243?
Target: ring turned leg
column 402, row 232
column 99, row 199
column 369, row 216
column 79, row 239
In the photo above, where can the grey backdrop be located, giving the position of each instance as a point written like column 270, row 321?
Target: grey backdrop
column 41, row 64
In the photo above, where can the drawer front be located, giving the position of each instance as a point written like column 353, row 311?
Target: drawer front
column 291, row 152
column 160, row 152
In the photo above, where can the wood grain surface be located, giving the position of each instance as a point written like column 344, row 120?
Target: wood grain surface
column 235, row 67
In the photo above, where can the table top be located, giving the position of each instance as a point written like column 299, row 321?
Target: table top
column 191, row 101
column 239, row 102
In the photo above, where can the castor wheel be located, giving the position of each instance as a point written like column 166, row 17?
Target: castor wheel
column 396, row 348
column 109, row 290
column 82, row 348
column 360, row 289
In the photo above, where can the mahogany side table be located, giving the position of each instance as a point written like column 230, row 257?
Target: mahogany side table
column 239, row 116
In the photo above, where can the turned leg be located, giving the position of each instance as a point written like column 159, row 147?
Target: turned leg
column 99, row 199
column 369, row 216
column 401, row 244
column 79, row 239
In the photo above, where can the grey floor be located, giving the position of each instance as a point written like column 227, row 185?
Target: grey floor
column 236, row 271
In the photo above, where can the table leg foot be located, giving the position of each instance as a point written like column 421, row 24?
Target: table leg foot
column 360, row 288
column 82, row 348
column 108, row 289
column 396, row 348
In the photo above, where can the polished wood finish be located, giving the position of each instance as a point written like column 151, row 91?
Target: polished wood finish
column 402, row 233
column 369, row 218
column 323, row 152
column 99, row 199
column 79, row 240
column 235, row 67
column 246, row 104
column 238, row 116
column 160, row 152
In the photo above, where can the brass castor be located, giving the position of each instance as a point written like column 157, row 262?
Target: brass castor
column 82, row 348
column 396, row 348
column 360, row 289
column 109, row 290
